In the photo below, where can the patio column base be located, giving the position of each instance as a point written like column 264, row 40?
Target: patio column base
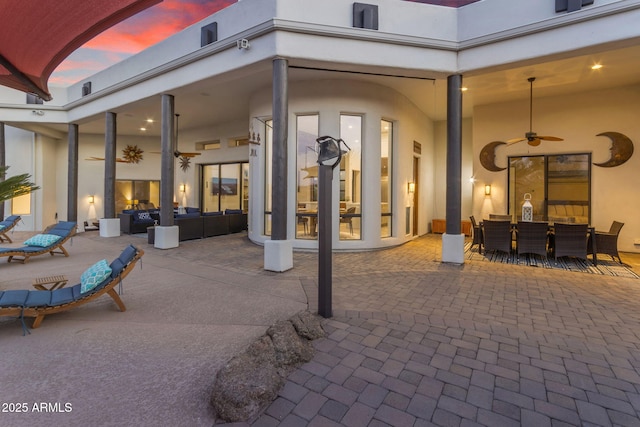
column 278, row 255
column 167, row 237
column 453, row 248
column 109, row 227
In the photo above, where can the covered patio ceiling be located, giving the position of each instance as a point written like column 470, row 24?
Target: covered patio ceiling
column 222, row 99
column 38, row 35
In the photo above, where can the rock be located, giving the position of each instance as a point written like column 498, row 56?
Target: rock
column 251, row 380
column 248, row 382
column 290, row 348
column 308, row 325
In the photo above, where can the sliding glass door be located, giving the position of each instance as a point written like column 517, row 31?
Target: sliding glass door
column 225, row 186
column 559, row 186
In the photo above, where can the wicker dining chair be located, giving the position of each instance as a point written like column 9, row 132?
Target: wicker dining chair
column 607, row 242
column 500, row 217
column 532, row 238
column 570, row 240
column 496, row 235
column 476, row 232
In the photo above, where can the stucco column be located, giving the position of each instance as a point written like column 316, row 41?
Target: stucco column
column 2, row 161
column 72, row 178
column 167, row 234
column 453, row 240
column 278, row 252
column 110, row 165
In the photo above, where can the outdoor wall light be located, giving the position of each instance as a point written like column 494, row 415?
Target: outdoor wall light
column 411, row 187
column 182, row 188
column 91, row 199
column 487, row 190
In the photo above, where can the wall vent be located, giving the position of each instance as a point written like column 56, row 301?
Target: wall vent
column 209, row 34
column 365, row 16
column 571, row 5
column 86, row 88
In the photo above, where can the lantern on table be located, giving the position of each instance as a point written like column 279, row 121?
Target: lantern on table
column 527, row 208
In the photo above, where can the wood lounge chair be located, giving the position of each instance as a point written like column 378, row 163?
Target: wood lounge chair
column 64, row 229
column 38, row 304
column 6, row 226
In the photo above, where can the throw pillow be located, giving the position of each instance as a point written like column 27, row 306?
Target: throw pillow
column 42, row 240
column 94, row 275
column 2, row 226
column 144, row 216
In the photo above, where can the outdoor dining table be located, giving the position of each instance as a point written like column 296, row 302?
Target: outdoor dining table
column 591, row 231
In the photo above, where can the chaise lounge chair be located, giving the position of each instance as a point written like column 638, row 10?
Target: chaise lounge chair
column 6, row 226
column 51, row 241
column 38, row 304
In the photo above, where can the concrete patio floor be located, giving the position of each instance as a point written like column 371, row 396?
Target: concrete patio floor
column 412, row 342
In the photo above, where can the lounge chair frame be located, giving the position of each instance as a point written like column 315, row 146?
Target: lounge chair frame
column 21, row 255
column 9, row 223
column 39, row 313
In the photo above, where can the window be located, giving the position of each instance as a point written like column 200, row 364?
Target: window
column 351, row 178
column 137, row 194
column 559, row 185
column 224, row 186
column 386, row 148
column 21, row 205
column 306, row 177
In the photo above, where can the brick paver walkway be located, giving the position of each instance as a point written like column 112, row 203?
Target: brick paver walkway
column 415, row 342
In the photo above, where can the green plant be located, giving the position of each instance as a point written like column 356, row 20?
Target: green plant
column 15, row 186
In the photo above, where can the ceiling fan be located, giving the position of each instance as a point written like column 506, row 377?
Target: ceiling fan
column 185, row 158
column 531, row 137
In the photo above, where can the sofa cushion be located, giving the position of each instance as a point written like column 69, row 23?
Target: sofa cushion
column 188, row 215
column 142, row 216
column 192, row 210
column 232, row 211
column 61, row 296
column 216, row 213
column 42, row 240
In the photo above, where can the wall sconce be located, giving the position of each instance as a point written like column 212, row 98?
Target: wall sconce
column 411, row 187
column 487, row 190
column 91, row 199
column 182, row 188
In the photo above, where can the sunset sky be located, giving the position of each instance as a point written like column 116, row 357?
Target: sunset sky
column 132, row 36
column 145, row 29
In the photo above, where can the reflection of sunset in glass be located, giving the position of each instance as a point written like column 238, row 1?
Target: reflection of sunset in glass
column 132, row 36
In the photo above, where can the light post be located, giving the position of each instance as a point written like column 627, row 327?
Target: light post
column 329, row 156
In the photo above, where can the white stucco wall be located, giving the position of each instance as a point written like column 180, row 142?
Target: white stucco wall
column 578, row 119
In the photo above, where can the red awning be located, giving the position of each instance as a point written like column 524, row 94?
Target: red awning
column 37, row 35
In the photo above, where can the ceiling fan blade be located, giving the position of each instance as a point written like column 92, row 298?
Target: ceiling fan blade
column 515, row 140
column 550, row 138
column 181, row 154
column 95, row 158
column 535, row 142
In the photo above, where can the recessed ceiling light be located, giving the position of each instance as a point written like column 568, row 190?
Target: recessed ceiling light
column 596, row 66
column 143, row 129
column 149, row 120
column 464, row 88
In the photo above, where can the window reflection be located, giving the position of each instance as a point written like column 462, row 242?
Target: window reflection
column 386, row 132
column 307, row 177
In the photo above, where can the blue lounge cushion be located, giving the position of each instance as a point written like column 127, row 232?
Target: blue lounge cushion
column 216, row 213
column 77, row 293
column 128, row 254
column 15, row 298
column 61, row 296
column 94, row 275
column 116, row 267
column 42, row 240
column 38, row 299
column 63, row 228
column 232, row 211
column 189, row 215
column 192, row 210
